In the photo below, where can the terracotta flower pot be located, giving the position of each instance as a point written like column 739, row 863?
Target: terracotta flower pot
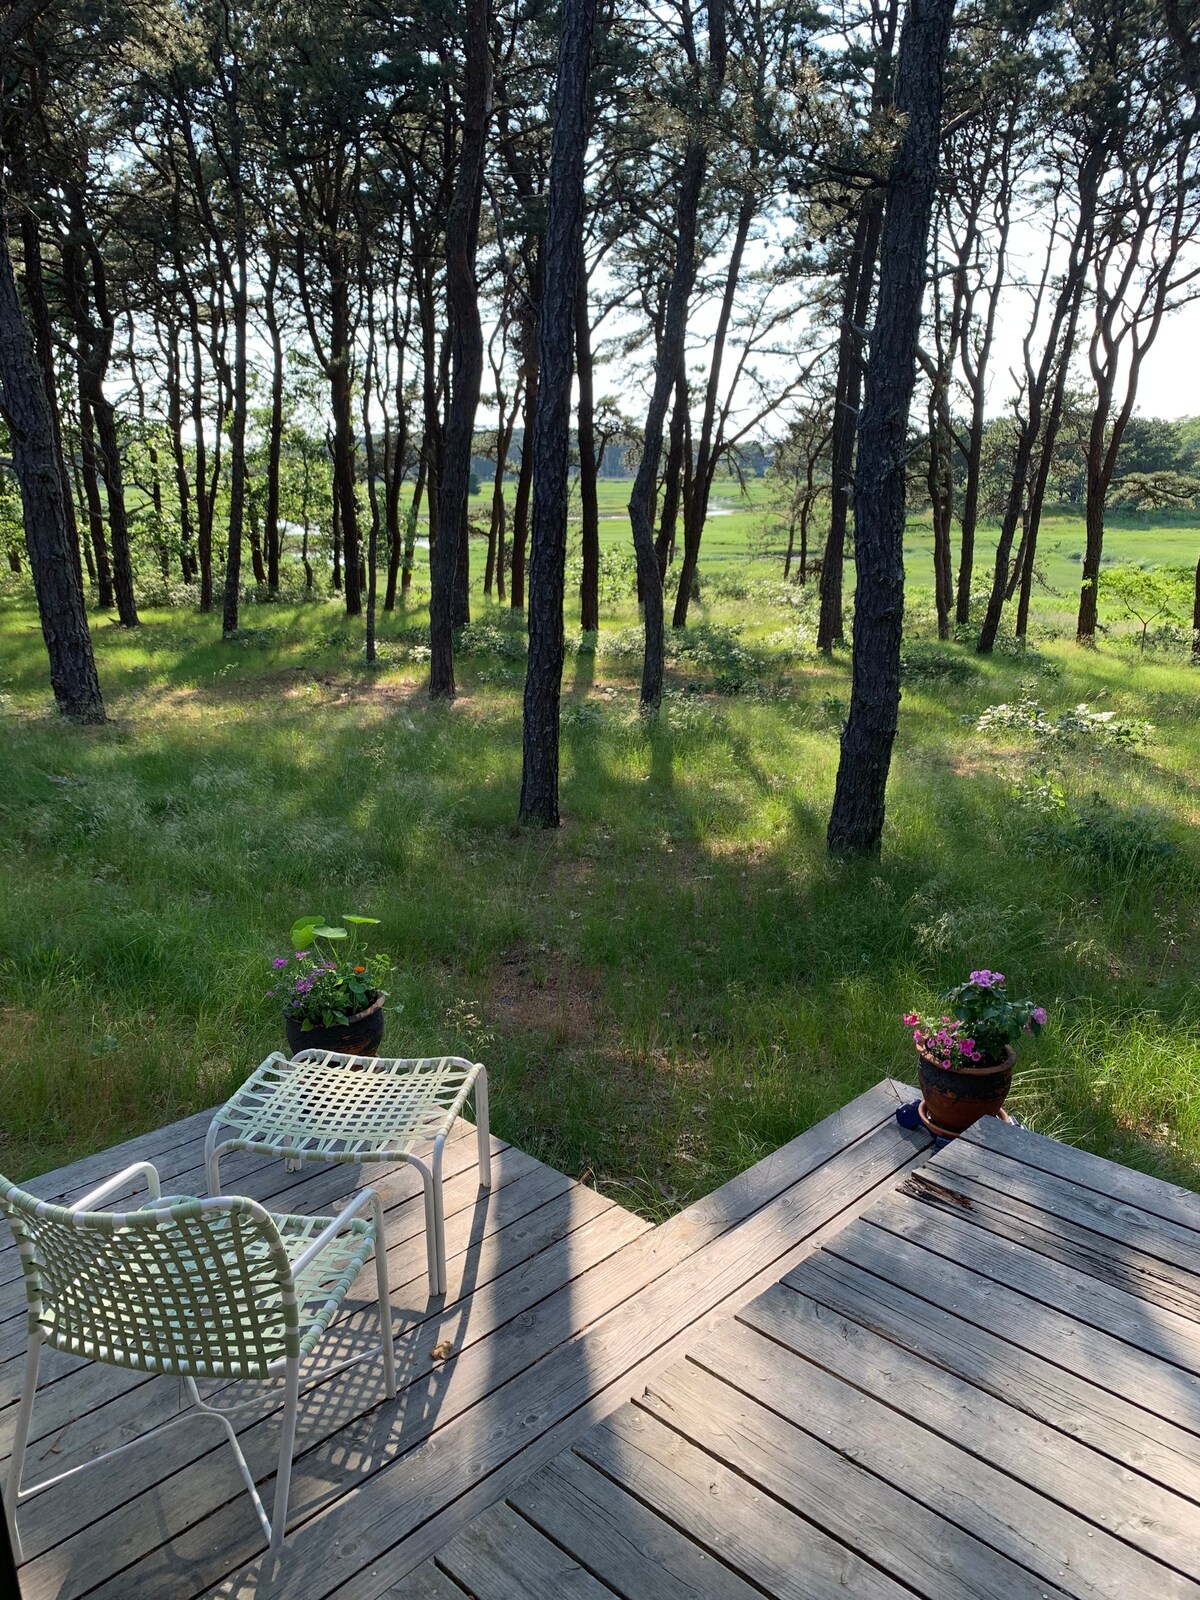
column 359, row 1035
column 956, row 1097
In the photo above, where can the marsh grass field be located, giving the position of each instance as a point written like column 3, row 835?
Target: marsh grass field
column 679, row 979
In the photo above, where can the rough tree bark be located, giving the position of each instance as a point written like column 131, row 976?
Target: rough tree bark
column 466, row 349
column 239, row 293
column 856, row 822
column 706, row 455
column 589, row 500
column 666, row 370
column 664, row 545
column 561, row 251
column 38, row 466
column 275, row 434
column 856, row 300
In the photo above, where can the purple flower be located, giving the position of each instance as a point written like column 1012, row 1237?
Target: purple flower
column 984, row 978
column 301, row 955
column 279, row 961
column 1039, row 1015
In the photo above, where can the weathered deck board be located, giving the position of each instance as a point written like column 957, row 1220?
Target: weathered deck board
column 554, row 1292
column 503, row 1553
column 1101, row 1250
column 746, row 1527
column 963, row 1404
column 509, row 1268
column 1140, row 1513
column 816, row 1480
column 812, row 1383
column 621, row 1540
column 985, row 1355
column 1117, row 1316
column 345, row 1416
column 1165, row 1200
column 1122, row 1221
column 814, row 1180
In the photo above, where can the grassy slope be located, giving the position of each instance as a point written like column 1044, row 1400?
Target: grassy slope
column 666, row 989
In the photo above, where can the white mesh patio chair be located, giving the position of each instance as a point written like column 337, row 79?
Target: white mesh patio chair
column 326, row 1106
column 217, row 1288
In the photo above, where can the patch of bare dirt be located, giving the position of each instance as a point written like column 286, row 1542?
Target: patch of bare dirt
column 963, row 766
column 538, row 991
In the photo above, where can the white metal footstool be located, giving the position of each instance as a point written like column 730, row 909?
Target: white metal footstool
column 325, row 1106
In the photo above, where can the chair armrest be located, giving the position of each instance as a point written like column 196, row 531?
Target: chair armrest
column 363, row 1198
column 110, row 1186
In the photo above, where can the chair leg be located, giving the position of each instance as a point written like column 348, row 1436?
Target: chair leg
column 430, row 1224
column 483, row 1132
column 212, row 1161
column 439, row 1213
column 384, row 1293
column 33, row 1356
column 287, row 1444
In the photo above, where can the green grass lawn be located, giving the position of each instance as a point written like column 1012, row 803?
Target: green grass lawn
column 674, row 983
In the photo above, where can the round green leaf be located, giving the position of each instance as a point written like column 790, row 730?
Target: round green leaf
column 328, row 933
column 361, row 921
column 303, row 929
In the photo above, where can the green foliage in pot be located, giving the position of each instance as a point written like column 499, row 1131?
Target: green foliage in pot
column 329, row 977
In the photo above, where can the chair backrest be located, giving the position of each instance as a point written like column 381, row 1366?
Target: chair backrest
column 198, row 1287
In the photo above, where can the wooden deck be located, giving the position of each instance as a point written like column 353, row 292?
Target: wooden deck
column 560, row 1308
column 987, row 1385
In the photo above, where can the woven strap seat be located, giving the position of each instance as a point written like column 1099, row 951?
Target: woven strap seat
column 324, row 1105
column 346, row 1108
column 213, row 1288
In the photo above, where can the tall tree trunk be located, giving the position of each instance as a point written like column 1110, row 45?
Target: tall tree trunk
column 105, row 598
column 183, row 492
column 561, row 277
column 589, row 497
column 94, row 335
column 275, row 427
column 241, row 312
column 341, row 399
column 399, row 450
column 204, row 501
column 43, row 336
column 254, row 538
column 977, row 375
column 666, row 372
column 856, row 301
column 856, row 821
column 940, row 480
column 335, row 540
column 37, row 462
column 664, row 544
column 521, row 500
column 118, row 522
column 370, row 374
column 466, row 348
column 410, row 526
column 1052, row 368
column 706, row 456
column 493, row 577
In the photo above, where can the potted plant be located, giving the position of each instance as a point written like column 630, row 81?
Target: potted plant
column 965, row 1058
column 330, row 990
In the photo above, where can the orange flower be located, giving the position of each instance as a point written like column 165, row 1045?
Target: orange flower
column 360, row 969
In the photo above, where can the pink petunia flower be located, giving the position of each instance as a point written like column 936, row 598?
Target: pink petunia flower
column 1039, row 1015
